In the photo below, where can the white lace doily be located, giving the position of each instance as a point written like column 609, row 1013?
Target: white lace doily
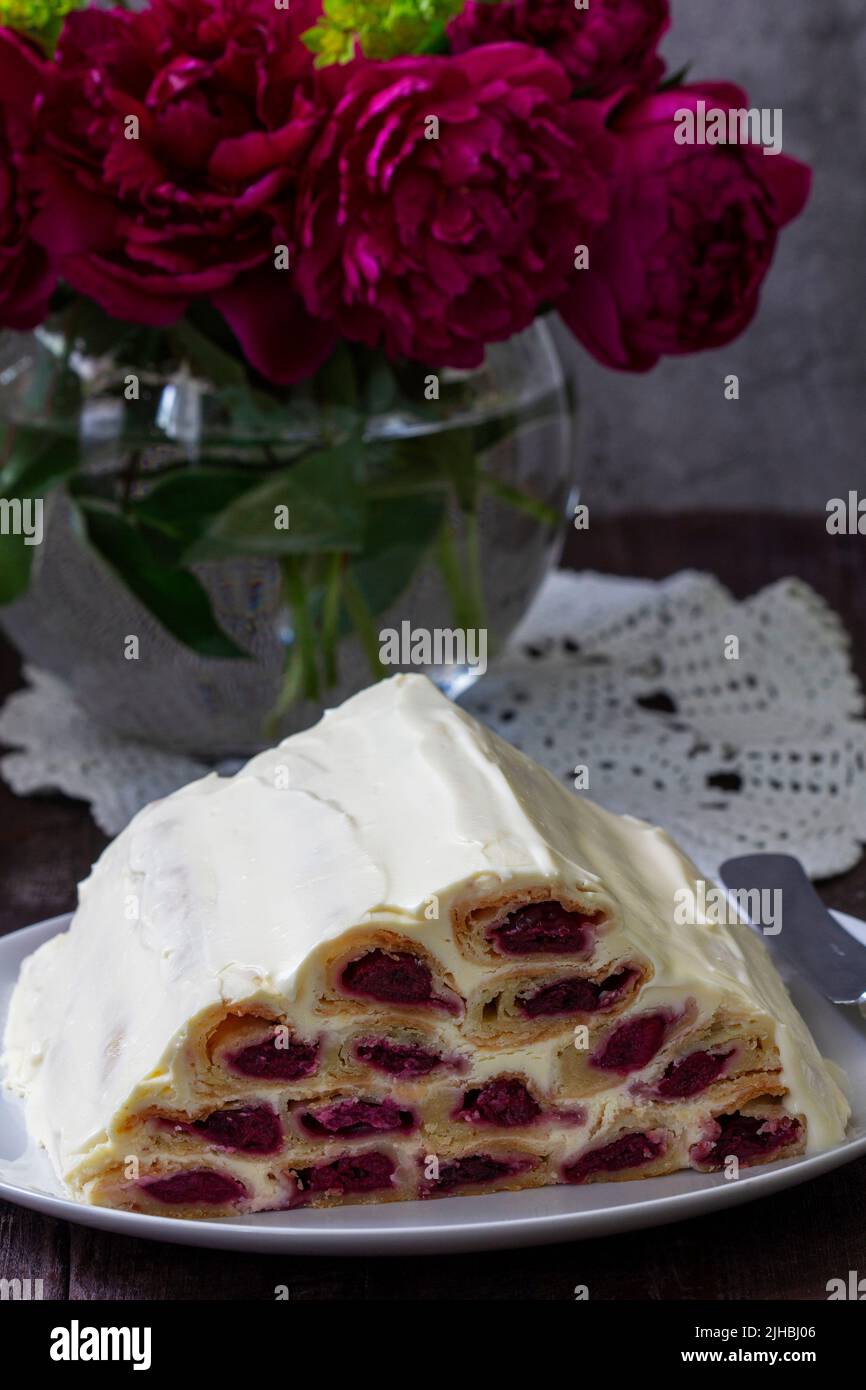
column 635, row 682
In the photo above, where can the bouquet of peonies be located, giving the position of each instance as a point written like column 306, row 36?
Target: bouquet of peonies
column 295, row 189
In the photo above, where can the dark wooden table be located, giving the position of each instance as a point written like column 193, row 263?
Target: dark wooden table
column 786, row 1246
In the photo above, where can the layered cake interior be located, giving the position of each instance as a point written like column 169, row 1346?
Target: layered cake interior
column 393, row 959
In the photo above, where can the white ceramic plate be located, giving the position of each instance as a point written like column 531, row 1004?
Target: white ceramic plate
column 448, row 1224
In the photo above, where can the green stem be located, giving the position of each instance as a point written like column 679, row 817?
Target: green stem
column 331, row 616
column 521, row 501
column 452, row 575
column 463, row 580
column 290, row 691
column 295, row 587
column 476, row 580
column 362, row 619
column 130, row 478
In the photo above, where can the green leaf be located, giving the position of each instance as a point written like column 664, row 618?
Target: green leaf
column 449, row 457
column 336, row 382
column 399, row 533
column 381, row 389
column 89, row 327
column 34, row 463
column 52, row 390
column 16, row 561
column 205, row 357
column 324, row 495
column 174, row 596
column 675, row 79
column 183, row 505
column 263, row 417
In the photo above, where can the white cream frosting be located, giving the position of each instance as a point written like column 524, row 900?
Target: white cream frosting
column 230, row 891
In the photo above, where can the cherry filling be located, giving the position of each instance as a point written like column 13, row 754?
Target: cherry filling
column 576, row 996
column 745, row 1137
column 629, row 1151
column 474, row 1169
column 198, row 1188
column 404, row 1060
column 354, row 1117
column 246, row 1129
column 632, row 1045
column 692, row 1074
column 504, row 1101
column 393, row 977
column 272, row 1060
column 250, row 1129
column 354, row 1173
column 542, row 929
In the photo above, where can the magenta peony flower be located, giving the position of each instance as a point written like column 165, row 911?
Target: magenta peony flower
column 26, row 278
column 609, row 45
column 218, row 97
column 680, row 265
column 437, row 242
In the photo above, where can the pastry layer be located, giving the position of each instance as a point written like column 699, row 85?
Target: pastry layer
column 207, row 1179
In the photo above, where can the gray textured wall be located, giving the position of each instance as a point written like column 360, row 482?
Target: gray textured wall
column 796, row 437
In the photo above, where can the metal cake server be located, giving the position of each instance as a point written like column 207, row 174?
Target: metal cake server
column 824, row 953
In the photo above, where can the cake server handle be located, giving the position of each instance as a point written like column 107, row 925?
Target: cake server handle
column 826, row 954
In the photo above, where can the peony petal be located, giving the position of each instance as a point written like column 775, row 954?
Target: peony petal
column 277, row 335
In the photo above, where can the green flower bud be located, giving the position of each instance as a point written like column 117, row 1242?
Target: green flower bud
column 383, row 28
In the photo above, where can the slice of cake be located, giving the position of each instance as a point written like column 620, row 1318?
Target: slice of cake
column 393, row 958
